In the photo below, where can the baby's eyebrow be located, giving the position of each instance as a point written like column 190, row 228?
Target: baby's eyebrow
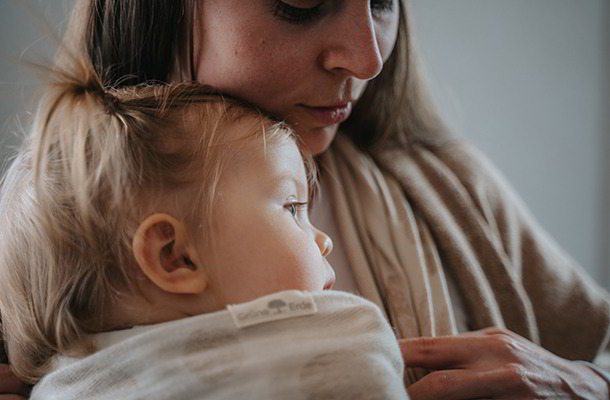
column 286, row 179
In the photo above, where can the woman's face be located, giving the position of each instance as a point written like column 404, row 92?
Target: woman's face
column 306, row 61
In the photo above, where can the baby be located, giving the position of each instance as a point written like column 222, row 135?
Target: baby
column 155, row 243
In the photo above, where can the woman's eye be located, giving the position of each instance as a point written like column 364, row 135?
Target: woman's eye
column 380, row 7
column 306, row 15
column 296, row 15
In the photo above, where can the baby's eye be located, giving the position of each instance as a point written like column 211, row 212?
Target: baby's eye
column 293, row 209
column 296, row 208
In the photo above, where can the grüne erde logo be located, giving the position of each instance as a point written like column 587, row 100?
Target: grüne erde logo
column 275, row 306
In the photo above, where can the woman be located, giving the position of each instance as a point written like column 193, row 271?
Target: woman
column 423, row 225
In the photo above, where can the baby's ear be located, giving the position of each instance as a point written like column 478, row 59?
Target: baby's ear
column 163, row 251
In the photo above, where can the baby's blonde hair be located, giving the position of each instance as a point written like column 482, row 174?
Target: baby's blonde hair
column 94, row 165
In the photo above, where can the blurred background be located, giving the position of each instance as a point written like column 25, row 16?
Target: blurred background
column 527, row 82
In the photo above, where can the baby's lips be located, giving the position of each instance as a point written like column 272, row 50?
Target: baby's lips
column 329, row 284
column 330, row 281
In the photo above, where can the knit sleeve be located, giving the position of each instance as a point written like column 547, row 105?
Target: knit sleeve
column 567, row 303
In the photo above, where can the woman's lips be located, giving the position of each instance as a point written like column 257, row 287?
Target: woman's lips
column 329, row 115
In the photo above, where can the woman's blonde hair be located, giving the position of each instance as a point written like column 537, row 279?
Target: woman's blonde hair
column 95, row 164
column 394, row 110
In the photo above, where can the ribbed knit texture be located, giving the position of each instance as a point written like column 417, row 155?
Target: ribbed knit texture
column 410, row 217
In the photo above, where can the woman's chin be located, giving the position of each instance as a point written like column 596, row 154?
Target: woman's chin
column 316, row 141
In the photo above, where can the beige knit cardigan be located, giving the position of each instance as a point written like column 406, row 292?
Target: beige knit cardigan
column 409, row 217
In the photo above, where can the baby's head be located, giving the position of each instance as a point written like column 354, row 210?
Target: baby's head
column 144, row 205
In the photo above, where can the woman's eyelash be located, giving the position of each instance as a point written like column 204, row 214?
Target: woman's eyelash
column 296, row 15
column 382, row 6
column 304, row 16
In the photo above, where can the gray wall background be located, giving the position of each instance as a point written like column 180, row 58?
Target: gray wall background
column 528, row 82
column 26, row 31
column 525, row 81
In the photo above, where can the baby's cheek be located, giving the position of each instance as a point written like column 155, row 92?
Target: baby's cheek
column 305, row 277
column 317, row 273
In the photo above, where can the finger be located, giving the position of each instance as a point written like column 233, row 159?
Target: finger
column 449, row 385
column 445, row 352
column 506, row 382
column 10, row 384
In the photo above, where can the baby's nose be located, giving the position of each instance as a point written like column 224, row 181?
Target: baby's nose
column 324, row 242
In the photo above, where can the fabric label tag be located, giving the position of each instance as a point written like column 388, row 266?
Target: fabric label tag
column 273, row 307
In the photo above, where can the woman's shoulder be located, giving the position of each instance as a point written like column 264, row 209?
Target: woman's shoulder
column 463, row 159
column 450, row 168
column 481, row 178
column 474, row 169
column 454, row 162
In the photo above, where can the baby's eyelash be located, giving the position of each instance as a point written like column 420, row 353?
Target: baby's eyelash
column 295, row 207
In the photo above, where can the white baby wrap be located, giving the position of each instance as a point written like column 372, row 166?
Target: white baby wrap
column 321, row 345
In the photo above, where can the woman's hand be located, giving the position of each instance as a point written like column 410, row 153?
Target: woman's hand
column 495, row 363
column 11, row 388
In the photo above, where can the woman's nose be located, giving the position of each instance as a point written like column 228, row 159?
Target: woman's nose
column 324, row 242
column 352, row 47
